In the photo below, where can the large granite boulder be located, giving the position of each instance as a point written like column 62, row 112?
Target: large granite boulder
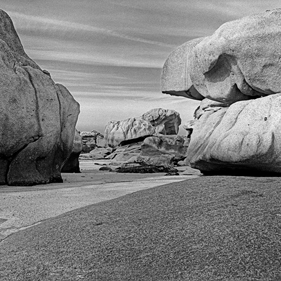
column 241, row 139
column 240, row 61
column 155, row 121
column 238, row 69
column 38, row 117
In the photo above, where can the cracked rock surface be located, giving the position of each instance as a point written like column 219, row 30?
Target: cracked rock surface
column 236, row 129
column 243, row 138
column 38, row 117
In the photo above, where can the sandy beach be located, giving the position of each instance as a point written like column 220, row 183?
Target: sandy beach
column 25, row 206
column 204, row 228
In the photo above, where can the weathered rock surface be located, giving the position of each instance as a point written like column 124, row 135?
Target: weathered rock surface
column 162, row 150
column 172, row 144
column 101, row 152
column 241, row 139
column 161, row 121
column 72, row 163
column 91, row 140
column 240, row 61
column 126, row 153
column 38, row 117
column 175, row 77
column 157, row 150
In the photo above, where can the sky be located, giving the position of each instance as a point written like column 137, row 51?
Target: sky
column 109, row 53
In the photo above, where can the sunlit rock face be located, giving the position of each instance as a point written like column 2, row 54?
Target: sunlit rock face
column 38, row 117
column 236, row 129
column 155, row 121
column 243, row 138
column 175, row 78
column 240, row 61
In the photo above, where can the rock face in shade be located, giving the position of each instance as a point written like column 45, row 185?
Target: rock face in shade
column 162, row 150
column 96, row 153
column 158, row 120
column 38, row 117
column 72, row 163
column 175, row 77
column 241, row 139
column 126, row 153
column 157, row 150
column 240, row 61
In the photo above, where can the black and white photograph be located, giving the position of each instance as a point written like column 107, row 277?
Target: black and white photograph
column 140, row 140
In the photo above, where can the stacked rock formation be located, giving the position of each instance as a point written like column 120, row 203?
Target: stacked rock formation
column 156, row 150
column 148, row 142
column 155, row 121
column 239, row 68
column 38, row 117
column 91, row 140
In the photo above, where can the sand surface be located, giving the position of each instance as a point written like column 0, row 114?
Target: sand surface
column 205, row 228
column 22, row 207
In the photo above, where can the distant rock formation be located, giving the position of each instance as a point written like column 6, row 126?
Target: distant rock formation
column 236, row 129
column 96, row 153
column 162, row 150
column 127, row 153
column 158, row 120
column 91, row 140
column 38, row 117
column 72, row 163
column 157, row 150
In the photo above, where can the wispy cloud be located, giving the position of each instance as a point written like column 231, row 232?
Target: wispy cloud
column 109, row 53
column 30, row 22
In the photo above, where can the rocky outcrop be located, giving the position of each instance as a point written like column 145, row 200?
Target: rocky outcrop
column 97, row 153
column 91, row 140
column 126, row 153
column 172, row 144
column 236, row 128
column 158, row 150
column 162, row 150
column 72, row 163
column 161, row 121
column 38, row 117
column 244, row 138
column 240, row 61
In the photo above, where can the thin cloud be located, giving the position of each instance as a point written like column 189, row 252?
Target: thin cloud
column 37, row 22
